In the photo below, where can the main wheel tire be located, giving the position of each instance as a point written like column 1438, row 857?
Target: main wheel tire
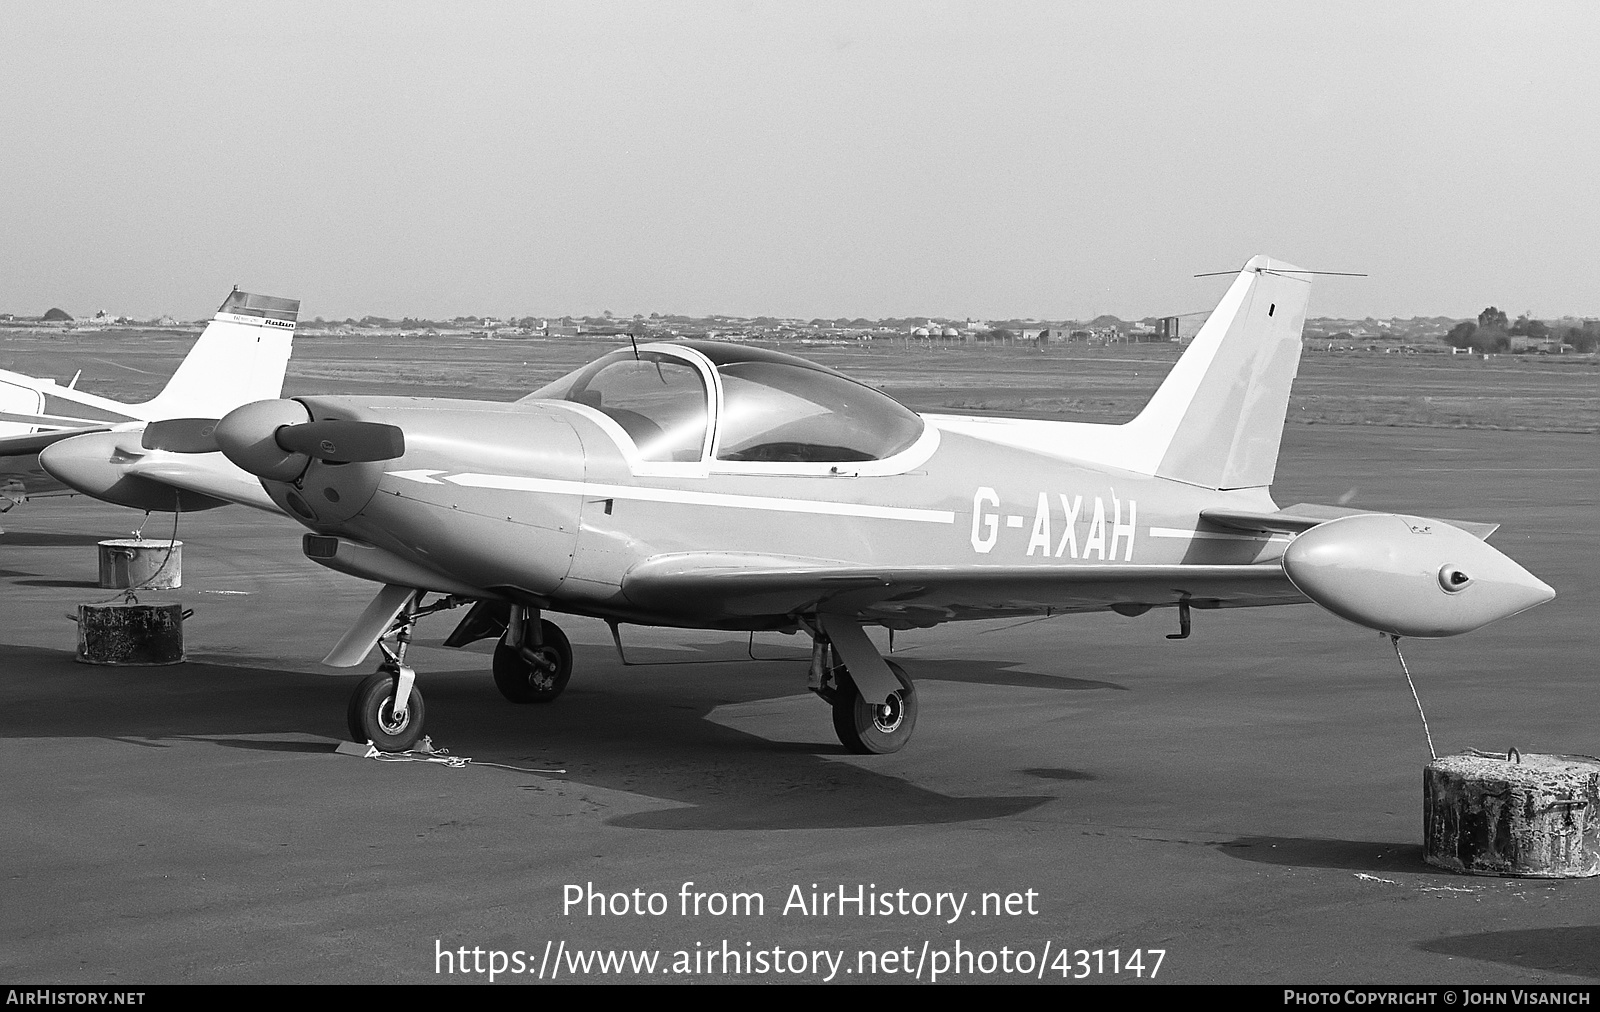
column 371, row 715
column 875, row 729
column 522, row 682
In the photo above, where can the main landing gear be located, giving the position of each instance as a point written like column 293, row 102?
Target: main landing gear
column 533, row 660
column 874, row 701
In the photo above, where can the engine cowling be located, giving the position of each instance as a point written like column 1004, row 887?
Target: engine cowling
column 1409, row 576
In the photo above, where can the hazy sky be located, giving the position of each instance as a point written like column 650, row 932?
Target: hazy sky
column 804, row 159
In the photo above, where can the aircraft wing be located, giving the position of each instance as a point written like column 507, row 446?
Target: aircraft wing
column 715, row 587
column 209, row 474
column 29, row 443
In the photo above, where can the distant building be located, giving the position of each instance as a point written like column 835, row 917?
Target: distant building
column 1541, row 345
column 1182, row 328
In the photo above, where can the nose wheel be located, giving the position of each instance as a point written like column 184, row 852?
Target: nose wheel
column 373, row 716
column 533, row 672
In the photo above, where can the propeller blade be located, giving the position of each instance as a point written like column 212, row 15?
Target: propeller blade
column 342, row 442
column 181, row 435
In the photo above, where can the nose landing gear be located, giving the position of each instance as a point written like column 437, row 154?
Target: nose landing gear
column 386, row 709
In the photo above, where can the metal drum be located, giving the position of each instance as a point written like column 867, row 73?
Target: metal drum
column 131, row 634
column 141, row 564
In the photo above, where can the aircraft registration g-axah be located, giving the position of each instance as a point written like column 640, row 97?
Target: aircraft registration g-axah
column 240, row 357
column 706, row 485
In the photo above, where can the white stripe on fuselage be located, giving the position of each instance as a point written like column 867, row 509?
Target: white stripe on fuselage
column 513, row 483
column 1179, row 532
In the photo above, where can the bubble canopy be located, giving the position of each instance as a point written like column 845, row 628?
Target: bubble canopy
column 775, row 408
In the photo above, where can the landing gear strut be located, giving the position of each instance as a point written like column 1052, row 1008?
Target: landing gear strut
column 386, row 708
column 374, row 715
column 533, row 660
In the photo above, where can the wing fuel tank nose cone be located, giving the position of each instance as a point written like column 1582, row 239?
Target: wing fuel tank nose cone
column 1409, row 576
column 248, row 436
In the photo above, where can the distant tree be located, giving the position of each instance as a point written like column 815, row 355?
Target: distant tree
column 1492, row 319
column 1461, row 334
column 1531, row 328
column 1585, row 338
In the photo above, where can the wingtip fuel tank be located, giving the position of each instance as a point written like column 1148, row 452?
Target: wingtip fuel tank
column 1409, row 576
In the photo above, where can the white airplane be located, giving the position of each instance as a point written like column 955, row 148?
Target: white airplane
column 241, row 357
column 704, row 485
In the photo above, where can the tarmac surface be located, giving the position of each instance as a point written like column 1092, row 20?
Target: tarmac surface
column 1247, row 801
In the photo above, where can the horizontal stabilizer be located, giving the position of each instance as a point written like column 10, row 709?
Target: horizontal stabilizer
column 1304, row 516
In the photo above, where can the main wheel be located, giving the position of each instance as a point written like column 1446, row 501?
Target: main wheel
column 875, row 728
column 522, row 682
column 372, row 716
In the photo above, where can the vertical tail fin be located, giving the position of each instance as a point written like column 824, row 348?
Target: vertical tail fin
column 241, row 356
column 1217, row 419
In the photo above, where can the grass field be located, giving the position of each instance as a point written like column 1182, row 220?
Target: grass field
column 1514, row 392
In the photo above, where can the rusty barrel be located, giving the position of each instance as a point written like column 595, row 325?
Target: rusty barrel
column 141, row 564
column 1534, row 816
column 130, row 634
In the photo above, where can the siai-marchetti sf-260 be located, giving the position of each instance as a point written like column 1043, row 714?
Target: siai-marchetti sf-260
column 706, row 485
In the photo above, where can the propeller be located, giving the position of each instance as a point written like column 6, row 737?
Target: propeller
column 343, row 442
column 276, row 440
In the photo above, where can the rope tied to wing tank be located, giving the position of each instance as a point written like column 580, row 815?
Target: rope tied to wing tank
column 1396, row 641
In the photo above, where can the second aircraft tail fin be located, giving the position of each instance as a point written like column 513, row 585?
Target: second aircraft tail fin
column 241, row 357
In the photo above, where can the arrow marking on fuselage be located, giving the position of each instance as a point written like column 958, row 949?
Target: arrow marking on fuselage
column 421, row 474
column 513, row 483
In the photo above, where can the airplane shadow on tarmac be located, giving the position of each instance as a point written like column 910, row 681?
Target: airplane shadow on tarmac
column 641, row 733
column 1344, row 855
column 29, row 539
column 1571, row 950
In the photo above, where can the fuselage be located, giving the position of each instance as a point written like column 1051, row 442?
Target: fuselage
column 546, row 499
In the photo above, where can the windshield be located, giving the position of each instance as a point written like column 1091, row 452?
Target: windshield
column 659, row 400
column 775, row 411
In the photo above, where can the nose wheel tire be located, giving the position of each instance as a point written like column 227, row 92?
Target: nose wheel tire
column 867, row 728
column 372, row 718
column 540, row 681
